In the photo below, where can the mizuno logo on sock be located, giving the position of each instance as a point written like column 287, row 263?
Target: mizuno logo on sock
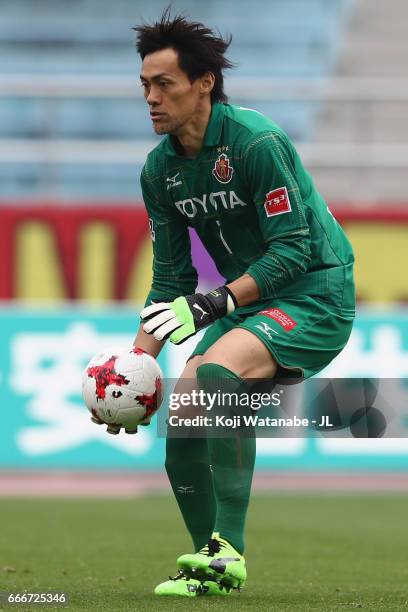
column 186, row 489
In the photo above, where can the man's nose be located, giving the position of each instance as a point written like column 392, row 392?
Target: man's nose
column 153, row 97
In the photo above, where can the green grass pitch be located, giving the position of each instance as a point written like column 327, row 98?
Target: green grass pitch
column 303, row 553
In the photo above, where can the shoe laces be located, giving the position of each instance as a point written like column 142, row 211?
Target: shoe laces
column 212, row 547
column 180, row 576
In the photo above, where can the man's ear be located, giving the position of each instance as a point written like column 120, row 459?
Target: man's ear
column 207, row 83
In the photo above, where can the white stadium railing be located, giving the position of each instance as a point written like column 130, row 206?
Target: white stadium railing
column 125, row 86
column 363, row 94
column 81, row 151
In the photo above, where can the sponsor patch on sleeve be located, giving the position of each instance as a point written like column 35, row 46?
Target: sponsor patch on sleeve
column 280, row 317
column 277, row 202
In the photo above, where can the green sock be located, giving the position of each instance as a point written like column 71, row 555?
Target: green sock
column 188, row 469
column 232, row 459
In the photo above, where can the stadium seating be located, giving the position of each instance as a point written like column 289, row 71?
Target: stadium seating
column 279, row 38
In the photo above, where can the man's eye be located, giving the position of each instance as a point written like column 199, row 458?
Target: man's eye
column 163, row 83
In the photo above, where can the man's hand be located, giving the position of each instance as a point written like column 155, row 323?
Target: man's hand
column 185, row 316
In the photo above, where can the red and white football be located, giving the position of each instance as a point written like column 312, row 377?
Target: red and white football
column 122, row 388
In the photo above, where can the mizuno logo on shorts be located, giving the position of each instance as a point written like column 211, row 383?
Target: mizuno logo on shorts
column 266, row 329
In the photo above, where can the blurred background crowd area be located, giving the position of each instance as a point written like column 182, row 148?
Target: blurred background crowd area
column 75, row 131
column 74, row 134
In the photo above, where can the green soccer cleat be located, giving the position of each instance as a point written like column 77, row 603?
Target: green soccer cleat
column 181, row 586
column 217, row 561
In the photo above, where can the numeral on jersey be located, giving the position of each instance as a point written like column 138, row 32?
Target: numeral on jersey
column 223, row 239
column 331, row 214
column 151, row 228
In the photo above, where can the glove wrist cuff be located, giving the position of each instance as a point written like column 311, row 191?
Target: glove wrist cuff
column 223, row 301
column 232, row 303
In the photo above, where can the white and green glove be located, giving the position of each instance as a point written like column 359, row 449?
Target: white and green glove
column 185, row 316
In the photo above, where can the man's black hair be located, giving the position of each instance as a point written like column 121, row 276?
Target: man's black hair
column 199, row 49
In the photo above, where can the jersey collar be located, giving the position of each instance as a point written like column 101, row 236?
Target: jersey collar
column 214, row 128
column 212, row 134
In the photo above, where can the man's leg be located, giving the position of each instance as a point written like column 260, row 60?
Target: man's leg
column 232, row 458
column 188, row 469
column 236, row 356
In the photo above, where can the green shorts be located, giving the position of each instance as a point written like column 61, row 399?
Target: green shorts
column 303, row 333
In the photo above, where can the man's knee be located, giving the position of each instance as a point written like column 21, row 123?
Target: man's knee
column 242, row 353
column 221, row 386
column 188, row 376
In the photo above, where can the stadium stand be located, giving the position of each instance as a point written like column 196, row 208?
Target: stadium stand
column 294, row 39
column 373, row 57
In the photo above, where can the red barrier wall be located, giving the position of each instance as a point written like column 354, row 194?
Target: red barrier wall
column 379, row 237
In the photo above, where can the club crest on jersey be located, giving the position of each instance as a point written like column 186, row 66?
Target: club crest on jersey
column 222, row 170
column 277, row 202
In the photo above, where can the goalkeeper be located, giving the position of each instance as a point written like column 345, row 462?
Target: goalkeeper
column 287, row 306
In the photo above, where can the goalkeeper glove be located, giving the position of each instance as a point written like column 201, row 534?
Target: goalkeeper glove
column 185, row 316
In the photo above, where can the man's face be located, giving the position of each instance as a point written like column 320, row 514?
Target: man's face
column 171, row 97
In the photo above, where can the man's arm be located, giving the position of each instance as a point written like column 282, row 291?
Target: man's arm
column 270, row 173
column 245, row 290
column 180, row 318
column 173, row 271
column 272, row 180
column 148, row 343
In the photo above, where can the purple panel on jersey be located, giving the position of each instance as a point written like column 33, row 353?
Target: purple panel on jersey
column 208, row 276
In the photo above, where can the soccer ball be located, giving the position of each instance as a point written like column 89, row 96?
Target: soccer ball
column 122, row 388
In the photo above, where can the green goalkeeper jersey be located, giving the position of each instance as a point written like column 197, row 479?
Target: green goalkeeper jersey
column 254, row 207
